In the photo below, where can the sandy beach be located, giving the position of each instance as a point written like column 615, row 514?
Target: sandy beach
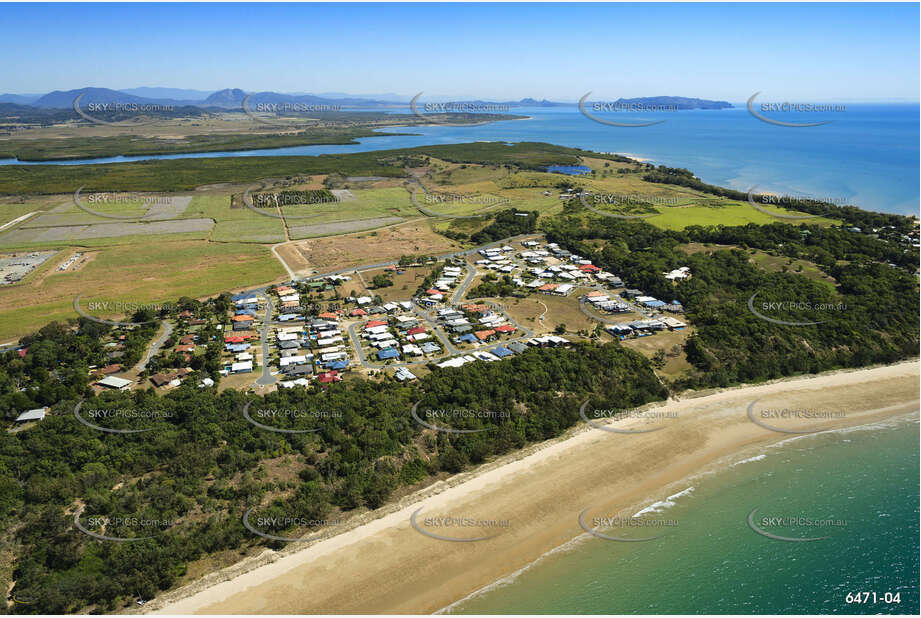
column 387, row 565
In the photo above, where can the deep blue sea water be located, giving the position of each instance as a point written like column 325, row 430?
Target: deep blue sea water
column 868, row 156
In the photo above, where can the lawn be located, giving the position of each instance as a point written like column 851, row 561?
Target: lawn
column 142, row 273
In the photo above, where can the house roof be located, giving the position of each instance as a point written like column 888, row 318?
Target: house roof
column 505, row 328
column 328, row 315
column 388, row 354
column 113, row 382
column 484, row 334
column 357, row 312
column 160, row 379
column 415, row 331
column 236, row 338
column 242, row 318
column 32, row 415
column 373, row 323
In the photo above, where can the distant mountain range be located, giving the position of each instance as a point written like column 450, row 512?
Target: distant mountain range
column 231, row 98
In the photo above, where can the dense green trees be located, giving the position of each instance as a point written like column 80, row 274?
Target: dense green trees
column 870, row 316
column 505, row 224
column 200, row 465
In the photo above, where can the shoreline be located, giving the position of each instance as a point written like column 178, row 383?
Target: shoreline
column 690, row 485
column 539, row 490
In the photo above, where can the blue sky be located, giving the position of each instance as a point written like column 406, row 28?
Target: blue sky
column 808, row 52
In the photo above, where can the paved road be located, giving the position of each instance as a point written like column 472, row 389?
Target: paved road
column 462, row 288
column 266, row 378
column 280, row 259
column 445, row 342
column 154, row 348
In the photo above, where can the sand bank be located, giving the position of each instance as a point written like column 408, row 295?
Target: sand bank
column 387, row 565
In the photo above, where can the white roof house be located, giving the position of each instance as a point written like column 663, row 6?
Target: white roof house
column 113, row 382
column 292, row 360
column 239, row 367
column 412, row 350
column 457, row 361
column 403, row 374
column 364, row 300
column 563, row 289
column 286, row 337
column 32, row 415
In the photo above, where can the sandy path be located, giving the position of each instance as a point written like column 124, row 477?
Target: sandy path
column 387, row 566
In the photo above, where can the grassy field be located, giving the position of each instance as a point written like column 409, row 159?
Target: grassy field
column 235, row 224
column 773, row 263
column 139, row 273
column 404, row 286
column 389, row 244
column 224, row 247
column 671, row 343
column 678, row 207
column 556, row 310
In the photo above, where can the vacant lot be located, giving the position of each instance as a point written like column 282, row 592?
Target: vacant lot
column 672, row 345
column 340, row 252
column 556, row 310
column 151, row 272
column 340, row 227
column 404, row 285
column 76, row 233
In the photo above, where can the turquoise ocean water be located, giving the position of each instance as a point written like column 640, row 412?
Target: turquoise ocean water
column 862, row 483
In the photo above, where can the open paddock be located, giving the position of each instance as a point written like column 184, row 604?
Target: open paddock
column 388, row 244
column 72, row 233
